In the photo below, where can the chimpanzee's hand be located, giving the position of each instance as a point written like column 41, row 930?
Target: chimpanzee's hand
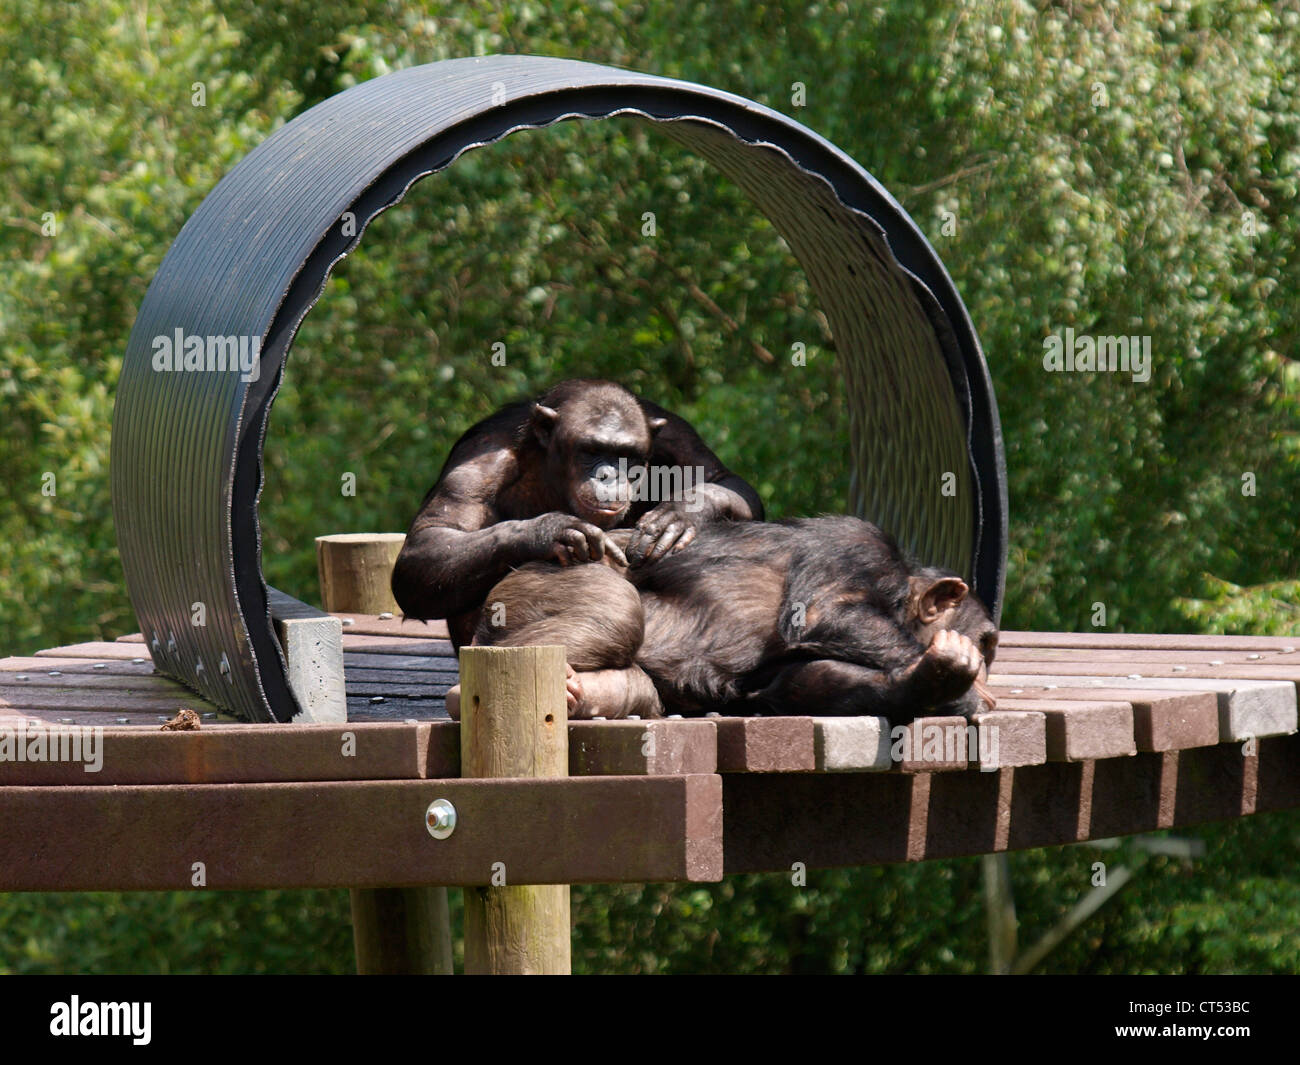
column 949, row 667
column 667, row 528
column 568, row 540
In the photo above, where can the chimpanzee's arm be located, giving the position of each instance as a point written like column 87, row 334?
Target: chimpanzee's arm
column 456, row 549
column 725, row 495
column 941, row 677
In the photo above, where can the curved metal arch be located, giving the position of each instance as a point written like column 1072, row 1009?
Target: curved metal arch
column 255, row 256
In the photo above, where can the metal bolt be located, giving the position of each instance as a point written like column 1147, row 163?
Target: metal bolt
column 1135, row 676
column 198, row 667
column 55, row 673
column 65, row 721
column 21, row 676
column 387, row 615
column 376, row 698
column 1180, row 669
column 171, row 643
column 1254, row 658
column 440, row 819
column 137, row 661
column 99, row 665
column 155, row 644
column 211, row 715
column 1216, row 661
column 123, row 720
column 349, row 621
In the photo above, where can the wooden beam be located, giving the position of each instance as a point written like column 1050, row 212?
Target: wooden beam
column 514, row 723
column 359, row 833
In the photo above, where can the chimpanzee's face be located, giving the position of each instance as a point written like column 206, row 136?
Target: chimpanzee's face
column 941, row 601
column 595, row 452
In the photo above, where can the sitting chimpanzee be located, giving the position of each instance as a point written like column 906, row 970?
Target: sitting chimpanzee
column 819, row 616
column 546, row 479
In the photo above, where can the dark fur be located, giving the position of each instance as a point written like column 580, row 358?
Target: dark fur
column 514, row 488
column 716, row 627
column 722, row 633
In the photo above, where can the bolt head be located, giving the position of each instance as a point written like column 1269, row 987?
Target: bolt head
column 440, row 819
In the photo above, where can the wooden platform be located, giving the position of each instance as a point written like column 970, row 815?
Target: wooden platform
column 1095, row 735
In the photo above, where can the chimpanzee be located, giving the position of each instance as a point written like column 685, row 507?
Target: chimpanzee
column 819, row 616
column 546, row 479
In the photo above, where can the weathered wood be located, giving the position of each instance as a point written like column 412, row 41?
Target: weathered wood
column 1082, row 731
column 514, row 723
column 407, row 628
column 1156, row 641
column 766, row 744
column 1163, row 720
column 842, row 819
column 635, row 747
column 355, row 570
column 312, row 642
column 370, row 834
column 1246, row 707
column 400, row 917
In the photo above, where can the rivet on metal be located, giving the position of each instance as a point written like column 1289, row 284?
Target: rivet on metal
column 440, row 819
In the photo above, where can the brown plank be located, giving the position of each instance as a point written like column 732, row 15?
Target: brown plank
column 106, row 700
column 95, row 649
column 246, row 754
column 105, row 682
column 1154, row 641
column 1082, row 731
column 360, row 833
column 1276, row 670
column 1014, row 738
column 380, row 708
column 132, row 667
column 845, row 819
column 373, row 625
column 406, row 663
column 634, row 748
column 932, row 744
column 1143, row 656
column 1162, row 720
column 766, row 744
column 394, row 645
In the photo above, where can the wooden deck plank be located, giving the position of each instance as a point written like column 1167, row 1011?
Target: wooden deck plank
column 827, row 820
column 360, row 834
column 1246, row 707
column 1083, row 731
column 1154, row 641
column 1162, row 720
column 766, row 744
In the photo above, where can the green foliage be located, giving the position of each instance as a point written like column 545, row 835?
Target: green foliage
column 1121, row 169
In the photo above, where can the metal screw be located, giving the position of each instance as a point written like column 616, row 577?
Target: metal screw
column 211, row 715
column 171, row 643
column 1216, row 661
column 386, row 616
column 376, row 698
column 1254, row 658
column 1135, row 676
column 123, row 720
column 137, row 661
column 21, row 676
column 198, row 668
column 1180, row 669
column 440, row 819
column 55, row 673
column 99, row 665
column 349, row 621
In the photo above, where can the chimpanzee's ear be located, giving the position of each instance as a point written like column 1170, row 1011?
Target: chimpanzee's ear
column 656, row 424
column 544, row 419
column 934, row 597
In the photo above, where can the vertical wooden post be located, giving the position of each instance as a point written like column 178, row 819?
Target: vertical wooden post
column 514, row 723
column 396, row 930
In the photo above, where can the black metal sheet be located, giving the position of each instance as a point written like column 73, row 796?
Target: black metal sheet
column 254, row 257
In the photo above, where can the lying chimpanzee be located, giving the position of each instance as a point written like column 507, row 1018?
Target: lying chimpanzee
column 818, row 616
column 546, row 479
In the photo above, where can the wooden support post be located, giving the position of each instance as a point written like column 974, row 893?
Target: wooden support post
column 396, row 930
column 514, row 723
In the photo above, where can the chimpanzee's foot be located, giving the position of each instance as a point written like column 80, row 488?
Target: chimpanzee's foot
column 453, row 702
